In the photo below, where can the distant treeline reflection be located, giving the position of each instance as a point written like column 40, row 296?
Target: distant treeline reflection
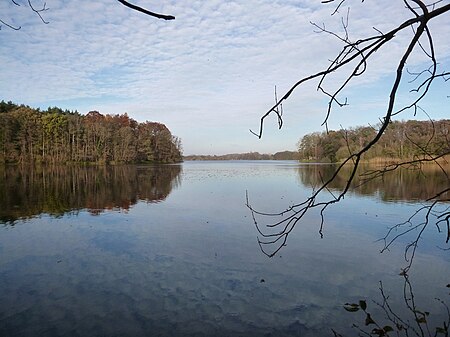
column 402, row 184
column 29, row 191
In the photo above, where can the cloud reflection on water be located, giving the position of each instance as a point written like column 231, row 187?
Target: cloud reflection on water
column 190, row 266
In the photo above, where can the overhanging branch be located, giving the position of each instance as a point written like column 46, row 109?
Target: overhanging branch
column 357, row 54
column 145, row 11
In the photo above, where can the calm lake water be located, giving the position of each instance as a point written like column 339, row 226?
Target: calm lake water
column 172, row 251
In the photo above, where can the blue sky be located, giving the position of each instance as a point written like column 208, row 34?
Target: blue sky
column 210, row 74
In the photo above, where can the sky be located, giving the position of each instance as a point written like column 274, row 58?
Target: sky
column 210, row 74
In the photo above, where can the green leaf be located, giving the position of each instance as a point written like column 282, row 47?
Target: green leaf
column 363, row 304
column 369, row 320
column 388, row 328
column 421, row 320
column 353, row 307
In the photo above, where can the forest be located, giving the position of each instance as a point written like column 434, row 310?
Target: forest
column 30, row 136
column 402, row 140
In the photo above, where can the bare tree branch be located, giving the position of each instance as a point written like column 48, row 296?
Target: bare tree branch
column 355, row 50
column 145, row 11
column 39, row 11
column 273, row 236
column 9, row 26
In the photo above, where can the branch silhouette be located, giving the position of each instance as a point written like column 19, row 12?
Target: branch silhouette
column 39, row 11
column 357, row 54
column 145, row 11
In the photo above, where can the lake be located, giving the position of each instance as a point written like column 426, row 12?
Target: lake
column 172, row 251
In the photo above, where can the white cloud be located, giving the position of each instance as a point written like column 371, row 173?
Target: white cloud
column 210, row 72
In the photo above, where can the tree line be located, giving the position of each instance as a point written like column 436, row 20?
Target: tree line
column 402, row 140
column 283, row 155
column 29, row 135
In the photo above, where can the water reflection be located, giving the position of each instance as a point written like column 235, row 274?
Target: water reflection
column 380, row 318
column 402, row 184
column 29, row 191
column 190, row 266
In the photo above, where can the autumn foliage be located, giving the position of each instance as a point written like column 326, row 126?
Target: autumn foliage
column 29, row 135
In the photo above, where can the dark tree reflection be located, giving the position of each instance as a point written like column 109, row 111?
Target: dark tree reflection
column 29, row 191
column 403, row 184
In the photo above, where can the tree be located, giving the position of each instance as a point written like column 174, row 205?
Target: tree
column 402, row 140
column 156, row 143
column 43, row 8
column 356, row 56
column 30, row 136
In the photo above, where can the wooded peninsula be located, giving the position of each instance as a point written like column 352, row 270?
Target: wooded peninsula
column 401, row 140
column 30, row 136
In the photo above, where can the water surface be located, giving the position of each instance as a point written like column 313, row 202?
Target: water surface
column 172, row 251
